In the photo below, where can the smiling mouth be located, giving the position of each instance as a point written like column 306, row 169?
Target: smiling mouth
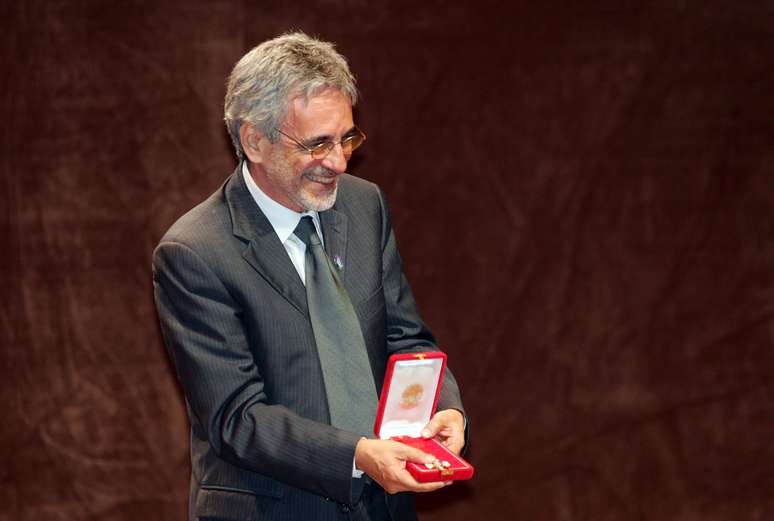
column 325, row 179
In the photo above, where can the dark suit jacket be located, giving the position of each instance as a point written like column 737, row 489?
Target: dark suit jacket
column 234, row 317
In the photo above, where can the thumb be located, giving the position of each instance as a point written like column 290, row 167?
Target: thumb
column 432, row 428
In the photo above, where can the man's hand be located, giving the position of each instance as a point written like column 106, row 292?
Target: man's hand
column 385, row 462
column 448, row 427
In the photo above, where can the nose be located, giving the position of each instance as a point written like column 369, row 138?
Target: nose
column 336, row 160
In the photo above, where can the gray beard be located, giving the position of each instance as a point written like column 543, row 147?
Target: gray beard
column 318, row 204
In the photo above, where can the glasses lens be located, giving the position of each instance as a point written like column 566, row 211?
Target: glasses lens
column 322, row 150
column 348, row 145
column 353, row 142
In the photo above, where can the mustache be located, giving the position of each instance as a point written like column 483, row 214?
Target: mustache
column 320, row 170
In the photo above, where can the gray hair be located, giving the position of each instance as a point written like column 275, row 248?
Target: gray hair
column 266, row 78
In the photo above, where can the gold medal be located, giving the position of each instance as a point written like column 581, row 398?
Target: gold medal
column 411, row 396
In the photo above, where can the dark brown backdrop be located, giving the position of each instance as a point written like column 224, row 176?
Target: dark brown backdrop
column 583, row 195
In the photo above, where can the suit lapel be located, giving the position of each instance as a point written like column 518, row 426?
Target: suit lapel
column 263, row 251
column 334, row 227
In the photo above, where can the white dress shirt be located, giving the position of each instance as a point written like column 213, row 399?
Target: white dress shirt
column 284, row 221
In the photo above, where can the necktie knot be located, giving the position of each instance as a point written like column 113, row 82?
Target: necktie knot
column 306, row 231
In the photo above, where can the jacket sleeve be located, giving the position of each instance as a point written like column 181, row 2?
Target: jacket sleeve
column 206, row 339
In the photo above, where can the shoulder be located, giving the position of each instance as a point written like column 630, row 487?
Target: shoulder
column 359, row 196
column 202, row 226
column 353, row 186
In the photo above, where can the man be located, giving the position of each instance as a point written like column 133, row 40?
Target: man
column 266, row 330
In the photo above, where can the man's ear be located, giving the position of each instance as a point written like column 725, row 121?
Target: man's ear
column 252, row 142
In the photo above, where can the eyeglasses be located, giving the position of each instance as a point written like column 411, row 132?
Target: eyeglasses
column 320, row 150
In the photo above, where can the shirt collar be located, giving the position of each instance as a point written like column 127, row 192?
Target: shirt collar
column 282, row 219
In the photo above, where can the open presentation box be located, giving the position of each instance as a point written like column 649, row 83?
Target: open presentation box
column 409, row 398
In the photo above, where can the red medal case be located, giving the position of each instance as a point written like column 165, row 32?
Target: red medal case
column 409, row 398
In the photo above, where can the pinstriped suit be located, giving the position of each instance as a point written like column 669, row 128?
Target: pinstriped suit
column 234, row 316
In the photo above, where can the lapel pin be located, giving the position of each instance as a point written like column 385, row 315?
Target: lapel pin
column 338, row 262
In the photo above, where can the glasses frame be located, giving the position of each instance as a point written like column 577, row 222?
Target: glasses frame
column 322, row 150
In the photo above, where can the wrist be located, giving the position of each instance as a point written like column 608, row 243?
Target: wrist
column 360, row 450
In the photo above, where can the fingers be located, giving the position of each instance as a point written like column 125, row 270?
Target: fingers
column 449, row 419
column 403, row 481
column 448, row 427
column 433, row 427
column 430, row 487
column 454, row 444
column 409, row 453
column 385, row 462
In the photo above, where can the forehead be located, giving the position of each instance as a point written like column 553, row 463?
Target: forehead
column 327, row 112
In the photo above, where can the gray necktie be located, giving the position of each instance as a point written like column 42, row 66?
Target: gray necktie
column 349, row 382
